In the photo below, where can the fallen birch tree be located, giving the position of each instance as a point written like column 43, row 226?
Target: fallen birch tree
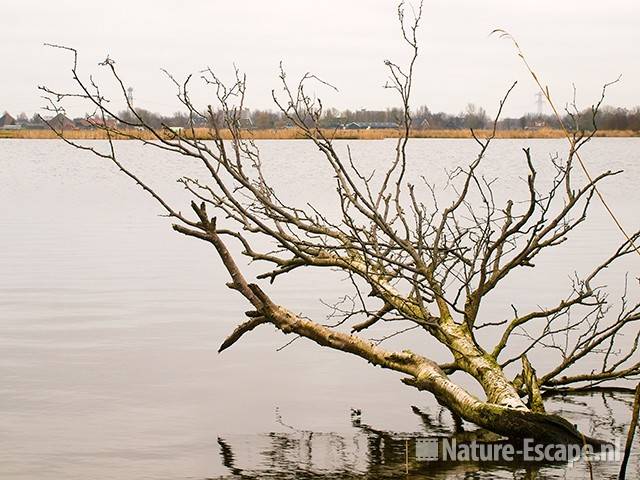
column 426, row 263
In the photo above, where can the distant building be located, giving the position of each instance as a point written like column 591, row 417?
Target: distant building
column 380, row 125
column 83, row 123
column 61, row 122
column 536, row 125
column 369, row 125
column 7, row 120
column 98, row 122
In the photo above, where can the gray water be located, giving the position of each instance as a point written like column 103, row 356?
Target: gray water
column 110, row 323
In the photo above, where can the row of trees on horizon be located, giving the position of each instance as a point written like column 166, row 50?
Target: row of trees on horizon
column 609, row 118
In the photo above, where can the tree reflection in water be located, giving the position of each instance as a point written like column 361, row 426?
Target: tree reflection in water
column 373, row 453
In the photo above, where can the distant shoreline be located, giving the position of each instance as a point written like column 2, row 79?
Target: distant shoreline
column 293, row 134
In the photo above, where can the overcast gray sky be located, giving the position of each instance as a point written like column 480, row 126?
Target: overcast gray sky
column 345, row 42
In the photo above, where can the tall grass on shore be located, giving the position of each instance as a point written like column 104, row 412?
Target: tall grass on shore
column 293, row 134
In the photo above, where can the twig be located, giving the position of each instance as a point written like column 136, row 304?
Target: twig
column 547, row 96
column 630, row 435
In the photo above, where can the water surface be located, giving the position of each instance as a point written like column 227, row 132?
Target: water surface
column 110, row 323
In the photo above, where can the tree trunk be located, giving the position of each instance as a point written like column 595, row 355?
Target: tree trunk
column 480, row 365
column 503, row 412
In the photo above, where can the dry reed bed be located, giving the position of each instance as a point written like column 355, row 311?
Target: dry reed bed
column 292, row 134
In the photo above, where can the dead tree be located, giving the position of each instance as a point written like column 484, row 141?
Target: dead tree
column 421, row 262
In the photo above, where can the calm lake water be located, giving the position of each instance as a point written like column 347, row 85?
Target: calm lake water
column 110, row 323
